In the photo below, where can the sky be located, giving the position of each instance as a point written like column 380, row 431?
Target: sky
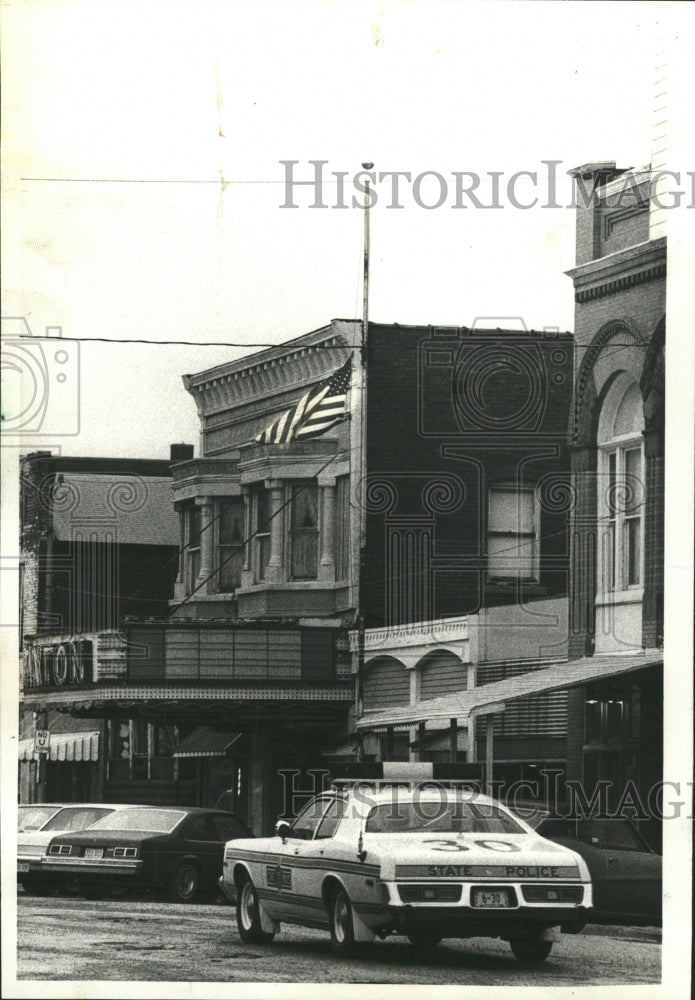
column 144, row 144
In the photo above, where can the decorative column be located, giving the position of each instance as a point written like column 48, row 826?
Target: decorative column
column 179, row 584
column 582, row 589
column 274, row 569
column 326, row 572
column 206, row 553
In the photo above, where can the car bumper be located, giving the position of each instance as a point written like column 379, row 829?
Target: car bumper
column 106, row 867
column 227, row 890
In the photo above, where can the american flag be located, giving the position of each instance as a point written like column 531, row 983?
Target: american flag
column 320, row 408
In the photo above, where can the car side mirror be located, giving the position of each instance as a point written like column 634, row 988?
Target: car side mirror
column 282, row 829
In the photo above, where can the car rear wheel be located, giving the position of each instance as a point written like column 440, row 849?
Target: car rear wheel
column 248, row 917
column 185, row 883
column 424, row 939
column 530, row 949
column 342, row 927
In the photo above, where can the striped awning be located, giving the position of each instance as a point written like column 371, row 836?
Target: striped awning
column 67, row 747
column 492, row 698
column 206, row 742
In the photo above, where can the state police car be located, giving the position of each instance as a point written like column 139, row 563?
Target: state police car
column 408, row 854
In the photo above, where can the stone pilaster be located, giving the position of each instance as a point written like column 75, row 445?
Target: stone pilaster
column 653, row 602
column 326, row 572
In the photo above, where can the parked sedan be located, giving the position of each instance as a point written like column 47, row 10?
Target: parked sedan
column 625, row 871
column 38, row 824
column 177, row 851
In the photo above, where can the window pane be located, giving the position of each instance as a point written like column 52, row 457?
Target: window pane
column 632, row 551
column 342, row 528
column 304, row 528
column 615, row 711
column 633, row 480
column 510, row 510
column 608, row 538
column 611, row 498
column 510, row 557
column 593, row 721
column 231, row 538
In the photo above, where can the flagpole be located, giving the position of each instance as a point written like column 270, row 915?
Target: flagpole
column 363, row 458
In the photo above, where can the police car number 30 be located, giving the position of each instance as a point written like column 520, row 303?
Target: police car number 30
column 364, row 860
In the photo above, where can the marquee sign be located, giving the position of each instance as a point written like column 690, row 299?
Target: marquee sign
column 59, row 664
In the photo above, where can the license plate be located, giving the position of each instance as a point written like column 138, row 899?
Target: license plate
column 93, row 853
column 500, row 897
column 22, row 867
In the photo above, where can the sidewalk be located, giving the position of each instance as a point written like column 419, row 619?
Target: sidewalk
column 649, row 934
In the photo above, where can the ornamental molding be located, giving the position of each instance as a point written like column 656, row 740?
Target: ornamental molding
column 620, row 284
column 99, row 697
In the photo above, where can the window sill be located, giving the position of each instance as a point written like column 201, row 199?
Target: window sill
column 293, row 585
column 635, row 596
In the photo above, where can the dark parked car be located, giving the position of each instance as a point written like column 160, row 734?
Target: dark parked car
column 625, row 871
column 173, row 850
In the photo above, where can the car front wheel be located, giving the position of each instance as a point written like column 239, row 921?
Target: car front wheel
column 248, row 918
column 530, row 950
column 185, row 883
column 342, row 927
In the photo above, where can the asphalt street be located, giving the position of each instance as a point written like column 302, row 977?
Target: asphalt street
column 62, row 938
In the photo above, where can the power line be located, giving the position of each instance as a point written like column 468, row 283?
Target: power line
column 468, row 334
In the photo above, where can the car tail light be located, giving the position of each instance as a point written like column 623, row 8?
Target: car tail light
column 553, row 893
column 60, row 849
column 430, row 893
column 125, row 852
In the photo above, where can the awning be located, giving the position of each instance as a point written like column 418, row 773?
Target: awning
column 492, row 698
column 67, row 747
column 206, row 742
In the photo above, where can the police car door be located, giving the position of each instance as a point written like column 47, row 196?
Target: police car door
column 299, row 874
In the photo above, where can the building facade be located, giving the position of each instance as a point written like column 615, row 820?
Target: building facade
column 98, row 542
column 616, row 438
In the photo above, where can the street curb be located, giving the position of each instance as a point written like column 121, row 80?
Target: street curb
column 649, row 934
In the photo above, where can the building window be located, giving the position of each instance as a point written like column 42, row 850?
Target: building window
column 230, row 549
column 342, row 528
column 262, row 532
column 607, row 718
column 512, row 538
column 304, row 531
column 621, row 488
column 194, row 526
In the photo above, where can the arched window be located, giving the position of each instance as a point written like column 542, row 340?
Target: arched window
column 621, row 488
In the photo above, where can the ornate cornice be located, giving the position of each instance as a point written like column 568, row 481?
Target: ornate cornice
column 617, row 271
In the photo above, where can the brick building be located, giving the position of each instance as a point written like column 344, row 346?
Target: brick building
column 616, row 438
column 99, row 541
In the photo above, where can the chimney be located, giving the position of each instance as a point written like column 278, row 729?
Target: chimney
column 180, row 453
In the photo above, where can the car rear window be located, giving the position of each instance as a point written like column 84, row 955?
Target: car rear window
column 34, row 817
column 145, row 820
column 76, row 819
column 439, row 817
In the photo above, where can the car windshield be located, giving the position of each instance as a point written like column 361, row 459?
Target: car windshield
column 148, row 820
column 34, row 817
column 76, row 819
column 441, row 817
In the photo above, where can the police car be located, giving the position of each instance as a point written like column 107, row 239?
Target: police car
column 414, row 852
